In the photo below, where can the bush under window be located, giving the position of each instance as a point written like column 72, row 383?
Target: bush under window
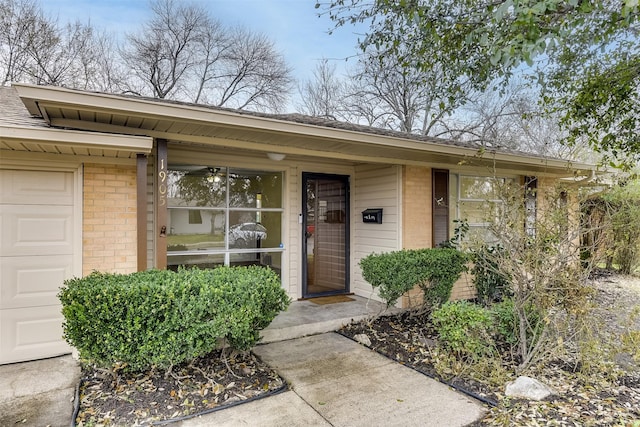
column 157, row 319
column 433, row 270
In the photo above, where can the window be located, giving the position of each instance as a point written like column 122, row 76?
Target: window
column 195, row 217
column 223, row 216
column 477, row 200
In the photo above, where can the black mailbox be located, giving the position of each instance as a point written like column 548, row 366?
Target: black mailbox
column 372, row 215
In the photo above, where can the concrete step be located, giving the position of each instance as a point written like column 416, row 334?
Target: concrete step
column 38, row 393
column 304, row 318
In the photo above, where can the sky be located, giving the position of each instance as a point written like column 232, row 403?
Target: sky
column 293, row 25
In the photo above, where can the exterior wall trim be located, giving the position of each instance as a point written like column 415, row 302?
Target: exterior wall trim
column 161, row 203
column 38, row 98
column 141, row 210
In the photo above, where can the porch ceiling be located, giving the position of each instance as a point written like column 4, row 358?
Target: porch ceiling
column 204, row 126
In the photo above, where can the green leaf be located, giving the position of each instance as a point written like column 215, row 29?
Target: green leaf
column 162, row 318
column 502, row 10
column 496, row 57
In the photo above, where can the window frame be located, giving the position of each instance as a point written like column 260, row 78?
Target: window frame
column 456, row 200
column 227, row 209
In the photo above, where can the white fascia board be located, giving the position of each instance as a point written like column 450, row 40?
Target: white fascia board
column 138, row 144
column 165, row 110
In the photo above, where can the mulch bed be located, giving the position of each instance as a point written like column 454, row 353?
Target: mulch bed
column 150, row 398
column 409, row 339
column 581, row 400
column 210, row 384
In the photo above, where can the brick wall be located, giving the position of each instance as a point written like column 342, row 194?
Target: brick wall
column 416, row 209
column 416, row 218
column 109, row 241
column 463, row 288
column 549, row 192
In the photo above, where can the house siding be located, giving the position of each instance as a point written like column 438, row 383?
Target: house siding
column 417, row 231
column 375, row 187
column 463, row 288
column 404, row 193
column 417, row 208
column 109, row 239
column 291, row 258
column 548, row 192
column 151, row 213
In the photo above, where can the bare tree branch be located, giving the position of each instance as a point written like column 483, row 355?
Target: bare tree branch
column 17, row 17
column 164, row 51
column 253, row 74
column 184, row 53
column 323, row 96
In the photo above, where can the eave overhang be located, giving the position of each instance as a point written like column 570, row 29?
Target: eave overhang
column 205, row 126
column 19, row 138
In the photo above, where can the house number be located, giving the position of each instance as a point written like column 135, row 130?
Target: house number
column 162, row 185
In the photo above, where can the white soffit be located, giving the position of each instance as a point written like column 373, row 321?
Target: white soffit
column 263, row 133
column 12, row 135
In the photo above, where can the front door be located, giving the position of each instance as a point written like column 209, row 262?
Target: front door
column 325, row 222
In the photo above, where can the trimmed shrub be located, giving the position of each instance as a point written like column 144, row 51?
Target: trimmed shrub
column 395, row 273
column 157, row 319
column 465, row 329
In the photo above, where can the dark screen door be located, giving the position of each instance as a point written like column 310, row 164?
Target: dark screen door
column 325, row 234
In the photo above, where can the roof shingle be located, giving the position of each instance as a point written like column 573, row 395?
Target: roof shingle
column 14, row 113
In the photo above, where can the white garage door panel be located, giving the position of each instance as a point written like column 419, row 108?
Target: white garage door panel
column 36, row 230
column 33, row 281
column 31, row 333
column 39, row 224
column 21, row 187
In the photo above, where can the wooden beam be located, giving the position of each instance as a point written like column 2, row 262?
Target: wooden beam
column 160, row 191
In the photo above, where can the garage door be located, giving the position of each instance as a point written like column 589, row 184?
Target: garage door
column 37, row 231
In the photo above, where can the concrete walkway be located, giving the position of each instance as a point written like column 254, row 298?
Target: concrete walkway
column 338, row 382
column 334, row 381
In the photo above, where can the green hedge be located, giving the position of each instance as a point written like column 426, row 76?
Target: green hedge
column 162, row 318
column 395, row 273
